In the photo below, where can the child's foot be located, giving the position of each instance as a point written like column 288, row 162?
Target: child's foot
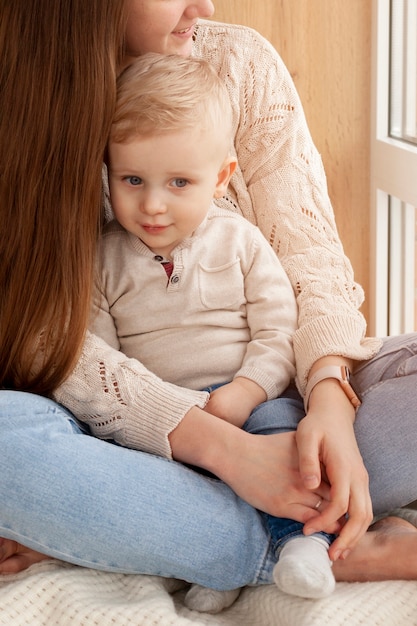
column 207, row 600
column 304, row 568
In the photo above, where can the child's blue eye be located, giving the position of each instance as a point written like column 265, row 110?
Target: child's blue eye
column 134, row 180
column 180, row 182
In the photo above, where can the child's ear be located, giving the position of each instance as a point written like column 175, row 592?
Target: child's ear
column 224, row 175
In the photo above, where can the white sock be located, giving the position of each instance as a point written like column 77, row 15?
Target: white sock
column 207, row 600
column 304, row 568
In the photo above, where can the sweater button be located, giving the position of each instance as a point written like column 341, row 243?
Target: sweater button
column 175, row 278
column 158, row 258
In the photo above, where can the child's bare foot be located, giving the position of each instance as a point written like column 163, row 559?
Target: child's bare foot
column 388, row 551
column 15, row 558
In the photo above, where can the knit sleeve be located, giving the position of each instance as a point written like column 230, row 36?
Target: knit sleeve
column 121, row 400
column 271, row 314
column 280, row 186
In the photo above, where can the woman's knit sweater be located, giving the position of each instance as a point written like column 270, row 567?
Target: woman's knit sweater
column 281, row 187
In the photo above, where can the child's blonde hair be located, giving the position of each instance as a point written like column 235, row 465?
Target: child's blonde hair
column 165, row 93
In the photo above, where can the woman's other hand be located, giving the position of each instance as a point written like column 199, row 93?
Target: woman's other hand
column 327, row 447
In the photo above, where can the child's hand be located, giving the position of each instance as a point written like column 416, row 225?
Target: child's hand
column 235, row 401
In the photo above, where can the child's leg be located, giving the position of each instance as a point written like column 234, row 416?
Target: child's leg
column 304, row 568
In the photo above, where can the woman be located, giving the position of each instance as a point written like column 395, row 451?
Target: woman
column 80, row 499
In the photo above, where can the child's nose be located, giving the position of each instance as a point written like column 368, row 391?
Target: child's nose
column 152, row 202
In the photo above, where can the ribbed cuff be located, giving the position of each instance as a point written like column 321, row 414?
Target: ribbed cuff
column 335, row 335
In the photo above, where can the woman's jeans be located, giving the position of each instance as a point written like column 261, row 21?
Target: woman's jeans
column 96, row 504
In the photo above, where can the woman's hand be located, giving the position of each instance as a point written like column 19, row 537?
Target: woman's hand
column 327, row 447
column 264, row 471
column 261, row 469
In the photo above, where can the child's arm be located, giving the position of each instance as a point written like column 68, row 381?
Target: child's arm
column 271, row 316
column 268, row 365
column 101, row 321
column 235, row 401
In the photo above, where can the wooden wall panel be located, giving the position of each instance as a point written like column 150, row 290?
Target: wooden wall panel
column 326, row 45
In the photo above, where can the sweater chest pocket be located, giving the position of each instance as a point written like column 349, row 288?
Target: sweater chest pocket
column 222, row 287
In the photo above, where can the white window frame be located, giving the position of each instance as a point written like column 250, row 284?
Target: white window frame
column 393, row 181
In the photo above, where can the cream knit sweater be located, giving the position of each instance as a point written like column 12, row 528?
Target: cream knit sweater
column 281, row 187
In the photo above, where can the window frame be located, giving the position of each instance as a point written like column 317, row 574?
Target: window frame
column 393, row 162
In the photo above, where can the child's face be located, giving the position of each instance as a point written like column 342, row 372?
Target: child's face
column 162, row 186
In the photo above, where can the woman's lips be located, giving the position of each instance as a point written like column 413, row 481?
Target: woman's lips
column 184, row 31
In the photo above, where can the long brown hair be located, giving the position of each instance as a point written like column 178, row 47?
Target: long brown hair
column 58, row 65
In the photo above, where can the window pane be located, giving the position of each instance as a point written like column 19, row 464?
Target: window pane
column 402, row 260
column 403, row 69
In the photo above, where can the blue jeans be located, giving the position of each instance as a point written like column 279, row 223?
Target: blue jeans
column 386, row 423
column 92, row 503
column 89, row 502
column 96, row 504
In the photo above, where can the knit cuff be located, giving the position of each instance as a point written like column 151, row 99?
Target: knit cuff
column 333, row 335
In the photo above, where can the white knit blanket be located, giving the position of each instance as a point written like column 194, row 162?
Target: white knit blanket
column 56, row 594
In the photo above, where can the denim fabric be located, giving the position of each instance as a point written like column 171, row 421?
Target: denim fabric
column 275, row 416
column 89, row 502
column 386, row 423
column 282, row 530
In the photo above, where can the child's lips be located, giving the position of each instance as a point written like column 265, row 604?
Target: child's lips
column 154, row 228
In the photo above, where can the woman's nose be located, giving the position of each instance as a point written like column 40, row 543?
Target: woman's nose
column 199, row 8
